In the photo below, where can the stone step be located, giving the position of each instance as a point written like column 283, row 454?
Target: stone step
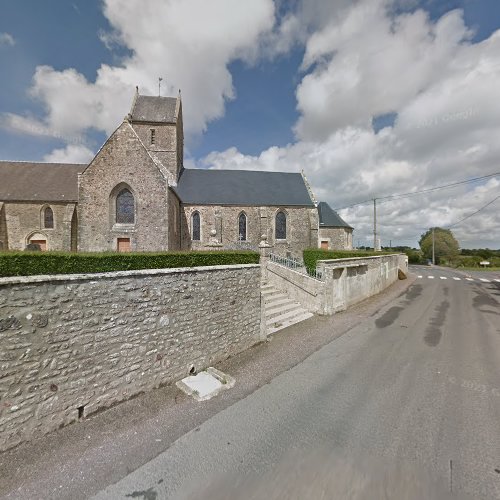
column 285, row 316
column 276, row 300
column 273, row 328
column 281, row 309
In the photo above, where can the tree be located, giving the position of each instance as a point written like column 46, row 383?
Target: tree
column 445, row 244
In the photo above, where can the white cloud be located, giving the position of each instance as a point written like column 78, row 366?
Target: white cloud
column 360, row 62
column 73, row 153
column 6, row 39
column 190, row 43
column 370, row 64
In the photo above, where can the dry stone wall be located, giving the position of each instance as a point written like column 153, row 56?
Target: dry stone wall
column 70, row 345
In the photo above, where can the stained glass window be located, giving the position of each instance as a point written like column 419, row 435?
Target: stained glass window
column 280, row 226
column 196, row 226
column 125, row 207
column 242, row 227
column 48, row 218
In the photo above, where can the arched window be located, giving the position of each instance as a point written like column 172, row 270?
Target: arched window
column 195, row 227
column 125, row 211
column 48, row 218
column 242, row 227
column 280, row 229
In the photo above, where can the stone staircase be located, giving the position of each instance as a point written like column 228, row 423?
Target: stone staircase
column 279, row 311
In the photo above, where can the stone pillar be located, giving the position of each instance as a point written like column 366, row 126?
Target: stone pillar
column 264, row 250
column 264, row 222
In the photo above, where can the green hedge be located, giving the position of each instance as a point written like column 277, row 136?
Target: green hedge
column 474, row 261
column 312, row 255
column 33, row 263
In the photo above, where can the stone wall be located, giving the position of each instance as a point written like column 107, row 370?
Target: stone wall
column 358, row 278
column 301, row 227
column 21, row 220
column 308, row 291
column 344, row 283
column 338, row 238
column 70, row 345
column 122, row 162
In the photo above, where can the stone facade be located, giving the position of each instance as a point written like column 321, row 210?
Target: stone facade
column 23, row 222
column 144, row 156
column 224, row 221
column 4, row 240
column 335, row 238
column 123, row 163
column 70, row 345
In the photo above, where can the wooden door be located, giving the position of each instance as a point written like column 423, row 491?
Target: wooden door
column 42, row 243
column 324, row 245
column 123, row 244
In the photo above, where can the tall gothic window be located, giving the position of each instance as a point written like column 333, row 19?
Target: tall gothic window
column 48, row 218
column 280, row 226
column 125, row 207
column 242, row 227
column 195, row 220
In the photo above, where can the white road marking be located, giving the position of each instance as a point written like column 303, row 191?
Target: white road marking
column 485, row 280
column 443, row 278
column 421, row 277
column 456, row 279
column 498, row 281
column 431, row 277
column 469, row 279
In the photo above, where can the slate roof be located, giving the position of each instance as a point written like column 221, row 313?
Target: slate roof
column 29, row 181
column 329, row 218
column 154, row 109
column 242, row 187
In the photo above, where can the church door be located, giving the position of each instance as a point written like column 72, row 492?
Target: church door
column 123, row 244
column 42, row 243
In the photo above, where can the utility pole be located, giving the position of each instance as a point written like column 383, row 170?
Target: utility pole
column 159, row 85
column 374, row 224
column 433, row 255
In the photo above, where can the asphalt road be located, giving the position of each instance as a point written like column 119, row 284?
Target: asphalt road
column 408, row 397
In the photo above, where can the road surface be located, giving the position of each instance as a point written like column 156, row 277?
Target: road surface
column 407, row 397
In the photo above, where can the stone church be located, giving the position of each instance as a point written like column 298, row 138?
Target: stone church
column 136, row 195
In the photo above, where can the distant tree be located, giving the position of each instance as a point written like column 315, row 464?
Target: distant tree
column 445, row 244
column 485, row 253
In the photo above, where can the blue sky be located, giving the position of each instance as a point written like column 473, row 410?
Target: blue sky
column 367, row 97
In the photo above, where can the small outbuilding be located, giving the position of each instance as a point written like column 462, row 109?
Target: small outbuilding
column 334, row 232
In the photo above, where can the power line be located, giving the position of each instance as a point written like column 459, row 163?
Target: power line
column 474, row 213
column 422, row 191
column 454, row 224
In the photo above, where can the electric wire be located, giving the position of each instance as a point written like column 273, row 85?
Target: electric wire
column 422, row 191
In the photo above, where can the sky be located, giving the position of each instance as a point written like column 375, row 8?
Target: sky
column 370, row 98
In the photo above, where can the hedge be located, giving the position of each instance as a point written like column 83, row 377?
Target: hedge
column 35, row 263
column 312, row 255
